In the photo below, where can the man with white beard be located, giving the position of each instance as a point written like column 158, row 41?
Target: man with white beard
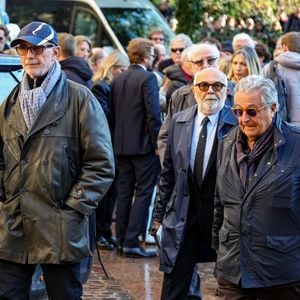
column 186, row 203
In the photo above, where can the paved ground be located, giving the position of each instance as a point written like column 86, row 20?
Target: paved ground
column 136, row 279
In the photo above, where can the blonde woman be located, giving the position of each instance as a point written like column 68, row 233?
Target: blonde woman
column 83, row 46
column 244, row 62
column 114, row 64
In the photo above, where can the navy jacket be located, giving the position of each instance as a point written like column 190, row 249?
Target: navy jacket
column 135, row 112
column 257, row 233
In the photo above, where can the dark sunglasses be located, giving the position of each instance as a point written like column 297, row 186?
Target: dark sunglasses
column 36, row 50
column 251, row 112
column 157, row 39
column 216, row 86
column 174, row 50
column 200, row 63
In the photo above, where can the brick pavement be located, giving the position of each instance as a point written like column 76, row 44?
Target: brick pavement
column 136, row 279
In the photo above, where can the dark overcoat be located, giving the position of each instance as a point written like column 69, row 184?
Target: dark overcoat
column 173, row 204
column 52, row 176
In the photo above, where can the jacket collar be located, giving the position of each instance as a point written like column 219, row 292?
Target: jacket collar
column 226, row 115
column 54, row 107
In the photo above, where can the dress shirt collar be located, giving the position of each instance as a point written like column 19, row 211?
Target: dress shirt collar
column 213, row 119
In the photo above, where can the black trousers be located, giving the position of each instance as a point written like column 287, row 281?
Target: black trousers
column 177, row 283
column 230, row 291
column 104, row 212
column 62, row 281
column 105, row 209
column 137, row 177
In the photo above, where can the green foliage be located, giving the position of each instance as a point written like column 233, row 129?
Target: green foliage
column 189, row 17
column 190, row 11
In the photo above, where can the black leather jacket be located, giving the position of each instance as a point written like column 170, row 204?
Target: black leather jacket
column 52, row 177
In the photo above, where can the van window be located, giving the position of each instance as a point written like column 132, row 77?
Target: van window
column 23, row 12
column 85, row 23
column 129, row 23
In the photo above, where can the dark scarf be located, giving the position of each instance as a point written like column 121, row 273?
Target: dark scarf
column 248, row 160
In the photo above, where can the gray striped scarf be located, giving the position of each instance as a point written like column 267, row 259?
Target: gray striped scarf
column 32, row 100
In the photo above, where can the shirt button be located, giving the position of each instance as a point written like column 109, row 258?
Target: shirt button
column 23, row 163
column 22, row 190
column 46, row 131
column 44, row 190
column 79, row 193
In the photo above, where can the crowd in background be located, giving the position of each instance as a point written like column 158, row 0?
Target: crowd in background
column 238, row 48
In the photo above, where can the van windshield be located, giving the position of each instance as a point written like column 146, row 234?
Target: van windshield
column 132, row 23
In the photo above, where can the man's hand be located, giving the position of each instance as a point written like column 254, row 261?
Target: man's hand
column 155, row 226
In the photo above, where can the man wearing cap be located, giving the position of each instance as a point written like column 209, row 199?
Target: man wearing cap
column 187, row 182
column 56, row 163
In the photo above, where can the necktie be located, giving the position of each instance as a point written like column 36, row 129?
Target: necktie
column 198, row 166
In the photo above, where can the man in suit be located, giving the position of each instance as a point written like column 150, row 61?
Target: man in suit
column 201, row 56
column 186, row 204
column 136, row 122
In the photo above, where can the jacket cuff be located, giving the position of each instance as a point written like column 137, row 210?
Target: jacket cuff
column 77, row 200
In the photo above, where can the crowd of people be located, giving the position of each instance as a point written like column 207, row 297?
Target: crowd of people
column 205, row 133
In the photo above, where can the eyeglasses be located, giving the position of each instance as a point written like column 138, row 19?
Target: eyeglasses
column 251, row 112
column 157, row 39
column 210, row 61
column 152, row 55
column 216, row 86
column 36, row 50
column 174, row 50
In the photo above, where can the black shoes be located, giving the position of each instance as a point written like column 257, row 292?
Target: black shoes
column 138, row 252
column 112, row 241
column 105, row 244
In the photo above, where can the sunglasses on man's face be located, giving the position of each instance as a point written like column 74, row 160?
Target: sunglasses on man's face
column 157, row 39
column 251, row 112
column 36, row 50
column 216, row 86
column 174, row 50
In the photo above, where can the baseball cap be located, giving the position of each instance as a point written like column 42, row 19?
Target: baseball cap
column 37, row 34
column 227, row 46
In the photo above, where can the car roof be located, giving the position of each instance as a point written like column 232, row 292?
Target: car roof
column 9, row 63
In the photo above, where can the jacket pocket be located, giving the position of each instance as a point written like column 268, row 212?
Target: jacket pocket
column 74, row 235
column 284, row 244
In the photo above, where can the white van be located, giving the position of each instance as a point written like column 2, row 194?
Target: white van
column 108, row 23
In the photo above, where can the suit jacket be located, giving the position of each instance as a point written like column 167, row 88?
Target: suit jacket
column 173, row 205
column 135, row 112
column 181, row 99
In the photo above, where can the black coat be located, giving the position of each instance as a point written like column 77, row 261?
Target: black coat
column 53, row 176
column 101, row 90
column 78, row 70
column 177, row 79
column 135, row 112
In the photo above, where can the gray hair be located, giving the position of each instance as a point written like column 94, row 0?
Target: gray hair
column 182, row 38
column 265, row 85
column 185, row 53
column 194, row 49
column 245, row 37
